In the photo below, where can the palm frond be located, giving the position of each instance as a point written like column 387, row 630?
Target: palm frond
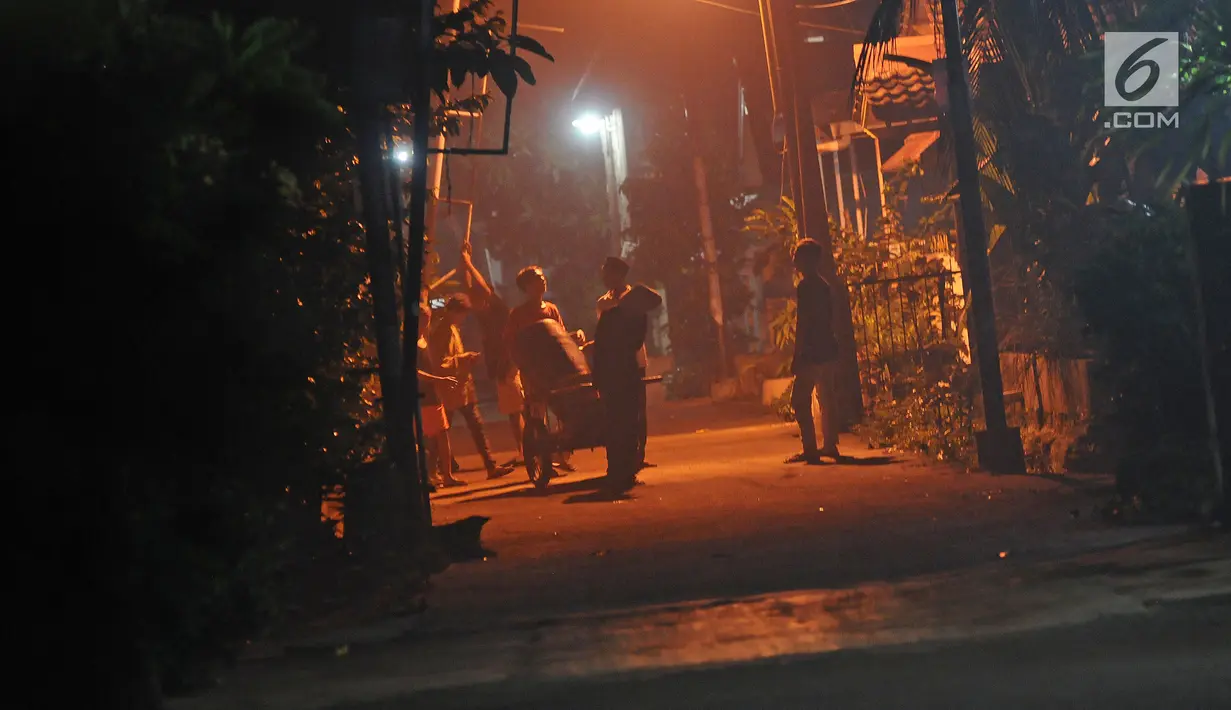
column 886, row 26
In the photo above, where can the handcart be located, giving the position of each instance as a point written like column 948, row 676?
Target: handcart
column 563, row 410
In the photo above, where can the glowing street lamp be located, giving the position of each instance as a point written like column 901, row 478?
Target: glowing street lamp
column 610, row 130
column 589, row 124
column 402, row 155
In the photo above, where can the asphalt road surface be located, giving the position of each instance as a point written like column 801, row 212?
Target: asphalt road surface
column 1177, row 655
column 731, row 580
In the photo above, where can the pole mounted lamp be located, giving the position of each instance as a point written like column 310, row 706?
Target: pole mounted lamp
column 589, row 124
column 609, row 128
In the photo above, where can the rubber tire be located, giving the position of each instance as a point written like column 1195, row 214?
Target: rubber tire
column 536, row 453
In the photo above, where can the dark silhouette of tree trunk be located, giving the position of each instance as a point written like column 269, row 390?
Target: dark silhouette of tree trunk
column 386, row 508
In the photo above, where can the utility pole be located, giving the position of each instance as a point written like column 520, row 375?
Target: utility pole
column 773, row 64
column 813, row 213
column 436, row 165
column 999, row 446
column 784, row 33
column 615, row 163
column 710, row 250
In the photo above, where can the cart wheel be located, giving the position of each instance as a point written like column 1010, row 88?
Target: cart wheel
column 537, row 452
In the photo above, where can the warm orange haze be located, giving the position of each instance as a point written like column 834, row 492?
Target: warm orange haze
column 642, row 354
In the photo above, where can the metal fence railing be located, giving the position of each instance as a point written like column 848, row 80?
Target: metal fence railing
column 901, row 322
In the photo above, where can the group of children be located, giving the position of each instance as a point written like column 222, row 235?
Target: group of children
column 447, row 369
column 447, row 377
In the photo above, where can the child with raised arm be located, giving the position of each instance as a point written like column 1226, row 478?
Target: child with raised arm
column 493, row 314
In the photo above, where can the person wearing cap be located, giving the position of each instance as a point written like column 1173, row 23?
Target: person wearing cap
column 619, row 338
column 615, row 280
column 445, row 344
column 493, row 314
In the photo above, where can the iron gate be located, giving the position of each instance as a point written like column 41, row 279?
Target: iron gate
column 904, row 322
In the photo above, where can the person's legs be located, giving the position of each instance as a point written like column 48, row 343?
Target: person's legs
column 622, row 448
column 826, row 392
column 511, row 400
column 431, row 454
column 444, row 457
column 516, row 426
column 474, row 422
column 435, row 423
column 801, row 402
column 562, row 461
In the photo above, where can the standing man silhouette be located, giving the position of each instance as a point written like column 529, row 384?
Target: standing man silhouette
column 816, row 356
column 615, row 279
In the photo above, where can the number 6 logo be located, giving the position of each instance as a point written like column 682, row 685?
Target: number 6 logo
column 1134, row 63
column 1129, row 55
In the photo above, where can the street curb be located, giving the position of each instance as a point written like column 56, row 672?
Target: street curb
column 339, row 643
column 923, row 613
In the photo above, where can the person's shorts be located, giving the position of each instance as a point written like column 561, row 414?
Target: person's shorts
column 435, row 420
column 509, row 395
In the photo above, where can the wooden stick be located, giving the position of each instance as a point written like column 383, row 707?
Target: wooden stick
column 441, row 280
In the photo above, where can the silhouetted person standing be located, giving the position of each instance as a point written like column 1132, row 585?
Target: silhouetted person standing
column 445, row 344
column 816, row 356
column 615, row 279
column 620, row 335
column 493, row 315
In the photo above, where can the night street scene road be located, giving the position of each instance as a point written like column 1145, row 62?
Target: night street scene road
column 627, row 354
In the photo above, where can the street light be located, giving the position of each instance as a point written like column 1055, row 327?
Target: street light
column 589, row 124
column 402, row 155
column 610, row 130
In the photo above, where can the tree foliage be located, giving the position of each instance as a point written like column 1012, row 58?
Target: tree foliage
column 1036, row 79
column 205, row 294
column 547, row 204
column 663, row 205
column 207, row 302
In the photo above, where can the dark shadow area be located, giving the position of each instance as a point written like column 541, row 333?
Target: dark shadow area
column 462, row 491
column 1086, row 483
column 598, row 496
column 867, row 460
column 556, row 488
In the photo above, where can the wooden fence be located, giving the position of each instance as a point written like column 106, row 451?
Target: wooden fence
column 1046, row 389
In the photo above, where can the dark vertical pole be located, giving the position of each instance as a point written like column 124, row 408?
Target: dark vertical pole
column 412, row 279
column 771, row 55
column 801, row 134
column 783, row 100
column 370, row 123
column 375, row 40
column 811, row 209
column 1209, row 254
column 1000, row 449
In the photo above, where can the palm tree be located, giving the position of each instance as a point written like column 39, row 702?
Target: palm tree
column 1203, row 140
column 1035, row 78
